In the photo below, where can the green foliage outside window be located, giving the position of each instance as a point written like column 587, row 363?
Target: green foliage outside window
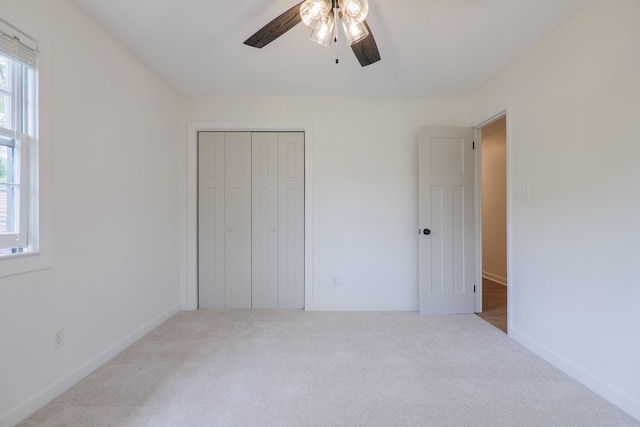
column 3, row 169
column 3, row 84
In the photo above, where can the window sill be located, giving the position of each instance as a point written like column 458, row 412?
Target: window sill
column 11, row 265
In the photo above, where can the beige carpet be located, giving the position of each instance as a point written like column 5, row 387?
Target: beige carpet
column 294, row 368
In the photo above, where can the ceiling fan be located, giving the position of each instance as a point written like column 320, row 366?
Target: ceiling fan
column 323, row 16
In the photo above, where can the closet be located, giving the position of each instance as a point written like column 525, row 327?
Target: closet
column 251, row 220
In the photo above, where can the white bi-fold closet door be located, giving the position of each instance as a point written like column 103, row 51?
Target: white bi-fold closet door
column 251, row 219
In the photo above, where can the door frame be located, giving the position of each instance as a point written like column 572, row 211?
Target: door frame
column 193, row 127
column 504, row 112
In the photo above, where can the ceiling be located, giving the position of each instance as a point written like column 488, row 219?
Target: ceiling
column 429, row 48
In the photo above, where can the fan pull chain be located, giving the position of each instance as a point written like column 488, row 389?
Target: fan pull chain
column 335, row 31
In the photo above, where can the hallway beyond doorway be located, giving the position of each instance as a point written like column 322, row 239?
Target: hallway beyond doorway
column 494, row 304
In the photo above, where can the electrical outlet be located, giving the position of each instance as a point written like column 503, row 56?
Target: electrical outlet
column 335, row 282
column 58, row 339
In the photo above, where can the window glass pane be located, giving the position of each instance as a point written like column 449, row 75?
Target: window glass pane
column 29, row 101
column 7, row 75
column 4, row 74
column 7, row 189
column 7, row 208
column 5, row 112
column 4, row 163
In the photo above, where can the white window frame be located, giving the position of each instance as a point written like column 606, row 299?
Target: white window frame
column 35, row 162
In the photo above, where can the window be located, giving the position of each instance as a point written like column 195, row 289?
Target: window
column 19, row 159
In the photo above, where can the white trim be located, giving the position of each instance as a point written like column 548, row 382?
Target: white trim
column 624, row 401
column 193, row 127
column 414, row 307
column 508, row 112
column 494, row 278
column 46, row 395
column 477, row 199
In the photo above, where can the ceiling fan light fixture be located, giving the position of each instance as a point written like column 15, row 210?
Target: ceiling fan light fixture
column 313, row 12
column 354, row 11
column 323, row 16
column 354, row 32
column 324, row 33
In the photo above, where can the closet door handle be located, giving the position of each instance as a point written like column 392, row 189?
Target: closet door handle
column 426, row 232
column 273, row 229
column 229, row 229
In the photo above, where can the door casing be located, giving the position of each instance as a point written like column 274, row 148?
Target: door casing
column 191, row 261
column 504, row 112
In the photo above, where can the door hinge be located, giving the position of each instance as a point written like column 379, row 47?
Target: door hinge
column 474, row 145
column 474, row 289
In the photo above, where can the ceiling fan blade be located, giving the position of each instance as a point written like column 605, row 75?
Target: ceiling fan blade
column 275, row 28
column 366, row 50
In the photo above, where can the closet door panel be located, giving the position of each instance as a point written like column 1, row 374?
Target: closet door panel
column 211, row 226
column 291, row 220
column 251, row 220
column 264, row 220
column 238, row 219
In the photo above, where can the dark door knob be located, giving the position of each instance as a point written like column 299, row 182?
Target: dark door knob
column 426, row 232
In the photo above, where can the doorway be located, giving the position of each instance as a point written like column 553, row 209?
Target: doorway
column 494, row 222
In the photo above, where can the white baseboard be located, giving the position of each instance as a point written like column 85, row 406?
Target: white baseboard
column 364, row 307
column 33, row 404
column 186, row 307
column 495, row 278
column 622, row 400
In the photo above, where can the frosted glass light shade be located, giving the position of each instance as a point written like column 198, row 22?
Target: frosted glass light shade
column 354, row 11
column 354, row 32
column 313, row 11
column 324, row 33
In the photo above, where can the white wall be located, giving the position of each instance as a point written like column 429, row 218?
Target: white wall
column 113, row 132
column 494, row 201
column 574, row 103
column 115, row 188
column 365, row 167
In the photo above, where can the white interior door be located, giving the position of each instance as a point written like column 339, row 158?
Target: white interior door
column 446, row 242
